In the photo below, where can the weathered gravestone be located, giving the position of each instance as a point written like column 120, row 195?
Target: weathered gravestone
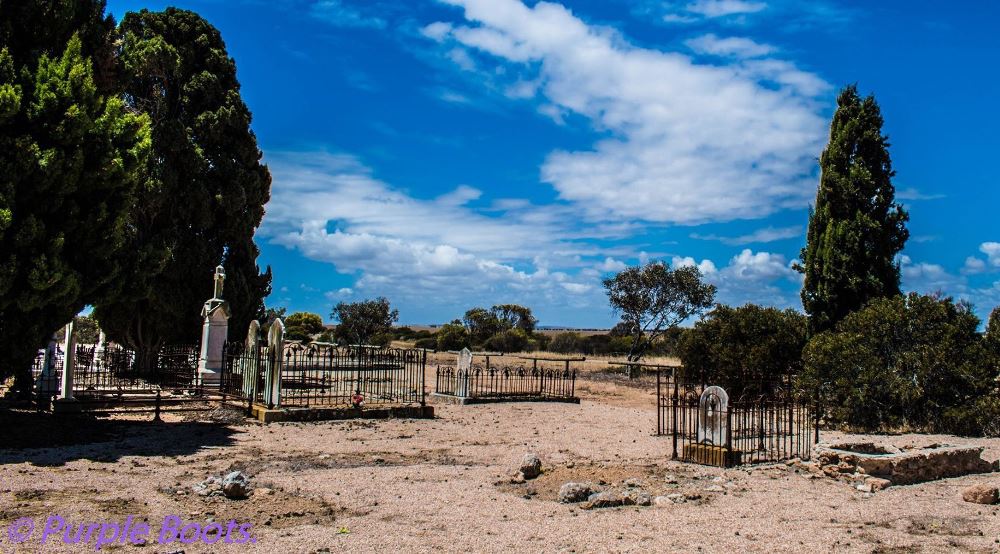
column 712, row 446
column 462, row 370
column 713, row 408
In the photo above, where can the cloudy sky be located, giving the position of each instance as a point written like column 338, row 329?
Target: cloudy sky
column 455, row 153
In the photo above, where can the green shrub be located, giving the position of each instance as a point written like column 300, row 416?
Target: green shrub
column 567, row 343
column 430, row 343
column 743, row 349
column 597, row 345
column 511, row 340
column 914, row 362
column 453, row 336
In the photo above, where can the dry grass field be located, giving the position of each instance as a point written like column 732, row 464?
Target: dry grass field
column 443, row 485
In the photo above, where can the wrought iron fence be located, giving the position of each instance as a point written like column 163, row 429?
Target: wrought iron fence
column 323, row 374
column 243, row 371
column 111, row 371
column 706, row 427
column 506, row 382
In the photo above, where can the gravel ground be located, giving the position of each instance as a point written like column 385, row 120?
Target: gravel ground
column 443, row 485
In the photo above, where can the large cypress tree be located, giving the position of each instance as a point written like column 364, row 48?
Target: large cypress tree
column 205, row 189
column 70, row 151
column 856, row 228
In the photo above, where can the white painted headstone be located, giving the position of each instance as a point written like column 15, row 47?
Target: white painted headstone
column 462, row 370
column 713, row 407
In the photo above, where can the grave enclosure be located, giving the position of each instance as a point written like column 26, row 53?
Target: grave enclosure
column 764, row 424
column 272, row 378
column 469, row 383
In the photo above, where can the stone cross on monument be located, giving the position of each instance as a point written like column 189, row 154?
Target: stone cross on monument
column 220, row 280
column 214, row 329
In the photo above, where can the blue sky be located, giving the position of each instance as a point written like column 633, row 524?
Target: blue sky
column 470, row 152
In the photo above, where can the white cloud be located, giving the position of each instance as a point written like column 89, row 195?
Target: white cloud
column 723, row 8
column 336, row 12
column 330, row 208
column 974, row 265
column 734, row 47
column 767, row 234
column 992, row 251
column 686, row 142
column 611, row 265
column 706, row 267
column 927, row 278
column 914, row 194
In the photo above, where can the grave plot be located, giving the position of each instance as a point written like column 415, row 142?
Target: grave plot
column 871, row 466
column 469, row 383
column 764, row 424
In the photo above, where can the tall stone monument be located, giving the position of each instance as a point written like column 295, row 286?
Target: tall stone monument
column 214, row 329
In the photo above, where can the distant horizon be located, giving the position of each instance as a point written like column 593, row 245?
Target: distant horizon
column 465, row 153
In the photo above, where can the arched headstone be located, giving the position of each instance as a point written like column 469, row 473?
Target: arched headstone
column 462, row 370
column 713, row 407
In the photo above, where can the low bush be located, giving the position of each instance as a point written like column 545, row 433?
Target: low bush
column 567, row 343
column 453, row 336
column 430, row 343
column 914, row 362
column 511, row 340
column 744, row 349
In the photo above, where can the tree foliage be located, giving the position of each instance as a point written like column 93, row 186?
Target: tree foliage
column 70, row 154
column 204, row 187
column 567, row 343
column 653, row 298
column 904, row 362
column 484, row 324
column 749, row 349
column 360, row 322
column 303, row 326
column 453, row 336
column 856, row 228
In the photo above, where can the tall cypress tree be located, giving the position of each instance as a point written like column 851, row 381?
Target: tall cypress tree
column 205, row 190
column 70, row 153
column 856, row 228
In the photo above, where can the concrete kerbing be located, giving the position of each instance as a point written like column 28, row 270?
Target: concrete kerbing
column 465, row 400
column 319, row 413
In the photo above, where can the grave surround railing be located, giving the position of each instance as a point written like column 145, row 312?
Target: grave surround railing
column 772, row 423
column 515, row 382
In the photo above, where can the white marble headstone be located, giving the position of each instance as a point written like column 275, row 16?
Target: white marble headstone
column 712, row 416
column 464, row 360
column 463, row 368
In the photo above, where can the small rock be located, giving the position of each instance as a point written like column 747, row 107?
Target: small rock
column 878, row 483
column 236, row 485
column 670, row 480
column 864, row 487
column 981, row 494
column 575, row 492
column 632, row 482
column 639, row 498
column 715, row 488
column 606, row 499
column 263, row 491
column 517, row 478
column 531, row 466
column 570, row 465
column 663, row 501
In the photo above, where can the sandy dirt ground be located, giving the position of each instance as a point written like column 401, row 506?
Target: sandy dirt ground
column 443, row 485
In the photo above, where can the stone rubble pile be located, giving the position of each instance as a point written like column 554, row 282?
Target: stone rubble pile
column 235, row 485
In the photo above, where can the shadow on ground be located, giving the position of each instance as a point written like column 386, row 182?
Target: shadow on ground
column 46, row 439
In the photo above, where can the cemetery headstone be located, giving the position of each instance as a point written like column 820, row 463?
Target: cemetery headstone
column 713, row 407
